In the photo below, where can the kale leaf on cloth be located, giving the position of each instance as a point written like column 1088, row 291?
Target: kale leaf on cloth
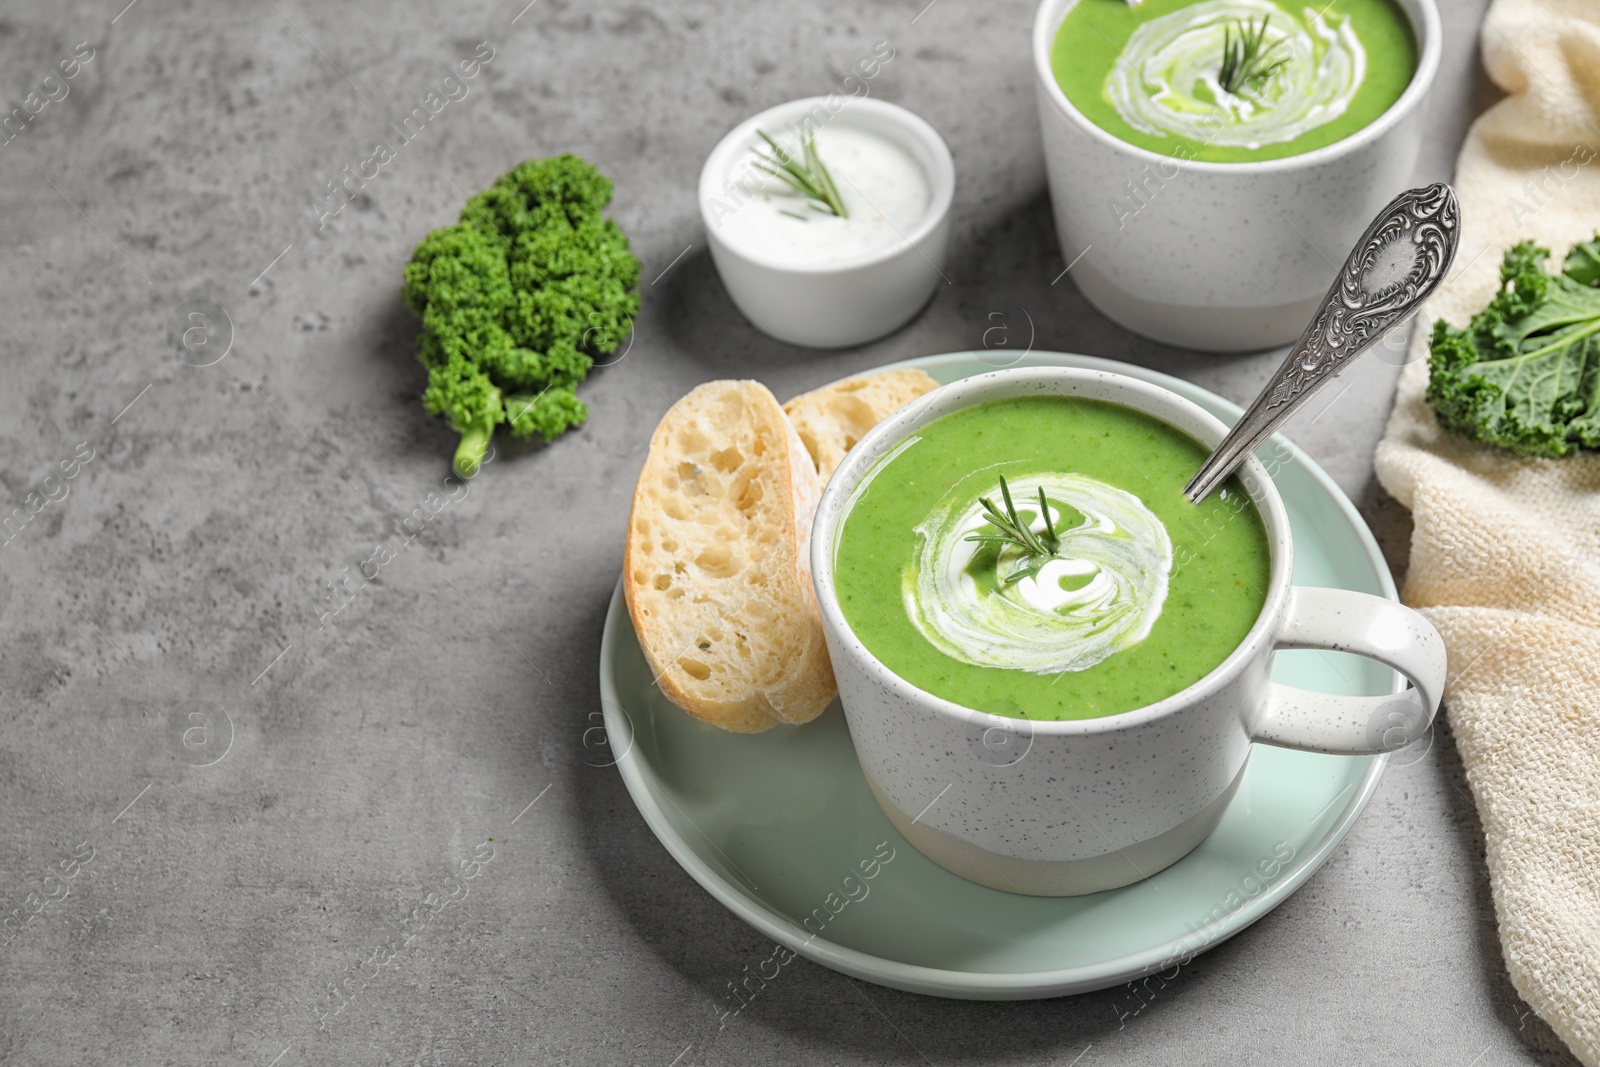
column 1525, row 373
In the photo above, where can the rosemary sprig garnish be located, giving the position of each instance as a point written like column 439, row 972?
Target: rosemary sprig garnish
column 1039, row 549
column 808, row 175
column 1244, row 59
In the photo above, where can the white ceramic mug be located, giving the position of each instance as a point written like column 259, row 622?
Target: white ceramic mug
column 1057, row 808
column 1218, row 256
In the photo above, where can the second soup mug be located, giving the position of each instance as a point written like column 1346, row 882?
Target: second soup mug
column 1060, row 808
column 1219, row 256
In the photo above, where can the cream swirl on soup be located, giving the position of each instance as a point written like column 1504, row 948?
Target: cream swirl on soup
column 1099, row 595
column 1166, row 81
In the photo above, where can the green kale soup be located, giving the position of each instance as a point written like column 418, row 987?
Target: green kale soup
column 1233, row 80
column 1112, row 594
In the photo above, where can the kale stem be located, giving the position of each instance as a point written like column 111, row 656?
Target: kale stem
column 474, row 444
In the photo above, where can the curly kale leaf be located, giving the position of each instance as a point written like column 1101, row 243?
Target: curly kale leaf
column 547, row 414
column 1525, row 373
column 517, row 299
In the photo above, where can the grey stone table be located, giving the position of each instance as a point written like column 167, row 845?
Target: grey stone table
column 201, row 902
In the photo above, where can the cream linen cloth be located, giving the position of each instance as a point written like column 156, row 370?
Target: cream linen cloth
column 1505, row 558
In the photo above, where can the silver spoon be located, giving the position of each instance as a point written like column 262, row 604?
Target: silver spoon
column 1397, row 264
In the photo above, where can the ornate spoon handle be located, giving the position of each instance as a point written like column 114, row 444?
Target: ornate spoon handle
column 1397, row 264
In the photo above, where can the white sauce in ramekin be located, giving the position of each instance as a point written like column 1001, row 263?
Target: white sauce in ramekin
column 885, row 192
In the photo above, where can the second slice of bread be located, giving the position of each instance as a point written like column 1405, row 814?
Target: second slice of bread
column 717, row 570
column 832, row 419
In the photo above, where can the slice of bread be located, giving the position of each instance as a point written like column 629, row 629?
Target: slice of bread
column 832, row 419
column 717, row 570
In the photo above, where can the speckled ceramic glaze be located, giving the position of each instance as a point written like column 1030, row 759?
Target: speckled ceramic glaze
column 1063, row 808
column 1218, row 256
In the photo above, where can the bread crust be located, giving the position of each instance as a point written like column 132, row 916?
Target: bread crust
column 717, row 570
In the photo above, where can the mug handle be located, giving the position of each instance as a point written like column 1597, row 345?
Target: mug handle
column 1344, row 621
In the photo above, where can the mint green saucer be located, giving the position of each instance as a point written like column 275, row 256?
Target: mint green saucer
column 774, row 824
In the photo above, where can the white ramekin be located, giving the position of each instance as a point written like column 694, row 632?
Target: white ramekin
column 852, row 301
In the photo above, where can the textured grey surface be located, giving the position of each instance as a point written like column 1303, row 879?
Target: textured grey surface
column 369, row 756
